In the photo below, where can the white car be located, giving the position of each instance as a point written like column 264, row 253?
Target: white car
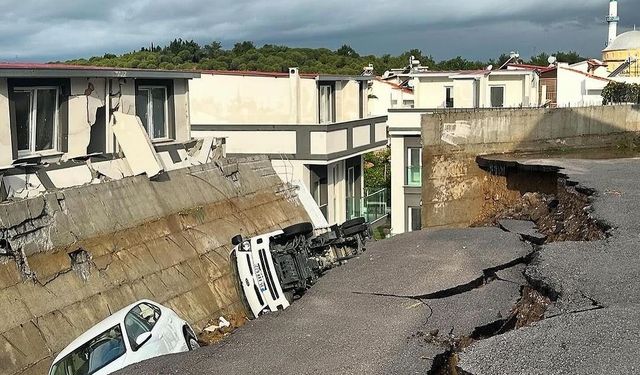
column 140, row 331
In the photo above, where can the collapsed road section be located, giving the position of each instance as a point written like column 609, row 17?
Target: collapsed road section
column 500, row 304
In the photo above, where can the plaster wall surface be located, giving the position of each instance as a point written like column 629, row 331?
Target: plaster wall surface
column 452, row 182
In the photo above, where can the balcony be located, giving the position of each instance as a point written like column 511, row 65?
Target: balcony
column 323, row 143
column 372, row 207
column 414, row 176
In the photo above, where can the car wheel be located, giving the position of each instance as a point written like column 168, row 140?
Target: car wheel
column 352, row 223
column 298, row 230
column 192, row 342
column 355, row 230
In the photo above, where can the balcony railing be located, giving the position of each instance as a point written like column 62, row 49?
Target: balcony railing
column 372, row 207
column 414, row 176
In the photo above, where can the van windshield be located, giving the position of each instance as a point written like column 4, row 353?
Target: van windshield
column 93, row 355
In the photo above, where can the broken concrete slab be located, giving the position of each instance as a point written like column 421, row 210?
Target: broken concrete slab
column 136, row 145
column 525, row 228
column 425, row 262
column 68, row 177
column 602, row 341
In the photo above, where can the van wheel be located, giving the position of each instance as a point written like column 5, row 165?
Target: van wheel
column 298, row 229
column 355, row 230
column 189, row 337
column 352, row 223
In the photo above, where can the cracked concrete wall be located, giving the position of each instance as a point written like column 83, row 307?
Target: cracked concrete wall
column 166, row 240
column 454, row 187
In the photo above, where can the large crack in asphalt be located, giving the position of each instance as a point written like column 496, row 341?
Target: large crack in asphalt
column 571, row 202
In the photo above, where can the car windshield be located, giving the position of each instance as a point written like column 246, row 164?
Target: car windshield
column 93, row 355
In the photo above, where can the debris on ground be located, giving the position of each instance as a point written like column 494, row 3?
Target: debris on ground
column 217, row 329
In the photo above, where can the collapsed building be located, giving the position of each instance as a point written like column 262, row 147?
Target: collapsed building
column 106, row 199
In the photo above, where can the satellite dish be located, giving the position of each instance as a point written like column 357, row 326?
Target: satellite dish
column 514, row 55
column 552, row 60
column 490, row 67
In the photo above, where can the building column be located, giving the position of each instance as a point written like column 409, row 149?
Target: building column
column 398, row 172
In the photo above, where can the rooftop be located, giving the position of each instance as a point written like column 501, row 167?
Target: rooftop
column 40, row 70
column 626, row 41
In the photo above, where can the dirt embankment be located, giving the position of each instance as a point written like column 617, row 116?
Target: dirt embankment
column 559, row 208
column 561, row 211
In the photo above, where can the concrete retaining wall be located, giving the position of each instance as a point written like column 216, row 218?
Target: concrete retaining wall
column 166, row 240
column 453, row 184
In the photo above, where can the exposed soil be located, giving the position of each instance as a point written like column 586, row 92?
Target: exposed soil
column 561, row 213
column 560, row 210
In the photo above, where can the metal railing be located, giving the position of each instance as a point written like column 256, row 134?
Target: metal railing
column 372, row 207
column 414, row 176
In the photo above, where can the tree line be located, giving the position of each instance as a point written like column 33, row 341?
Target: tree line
column 246, row 56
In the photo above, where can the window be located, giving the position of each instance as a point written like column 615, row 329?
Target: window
column 36, row 118
column 326, row 105
column 497, row 96
column 351, row 182
column 139, row 320
column 414, row 166
column 407, row 103
column 94, row 355
column 153, row 109
column 415, row 219
column 448, row 91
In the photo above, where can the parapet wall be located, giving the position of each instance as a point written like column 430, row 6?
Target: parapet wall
column 452, row 190
column 86, row 252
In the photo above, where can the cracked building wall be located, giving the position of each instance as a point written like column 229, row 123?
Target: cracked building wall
column 85, row 252
column 86, row 100
column 454, row 188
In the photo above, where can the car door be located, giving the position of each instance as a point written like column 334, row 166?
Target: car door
column 142, row 319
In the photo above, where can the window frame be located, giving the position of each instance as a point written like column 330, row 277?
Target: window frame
column 33, row 119
column 151, row 126
column 170, row 123
column 448, row 90
column 132, row 343
column 409, row 165
column 61, row 126
column 504, row 94
column 332, row 101
column 410, row 218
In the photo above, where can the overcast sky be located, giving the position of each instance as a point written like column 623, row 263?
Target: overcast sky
column 43, row 30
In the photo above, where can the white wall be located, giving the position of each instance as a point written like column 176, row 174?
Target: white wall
column 6, row 146
column 386, row 96
column 398, row 224
column 520, row 90
column 576, row 89
column 337, row 189
column 235, row 99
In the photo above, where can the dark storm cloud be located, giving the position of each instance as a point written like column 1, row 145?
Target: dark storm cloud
column 32, row 29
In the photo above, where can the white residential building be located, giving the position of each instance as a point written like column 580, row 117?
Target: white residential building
column 315, row 128
column 442, row 91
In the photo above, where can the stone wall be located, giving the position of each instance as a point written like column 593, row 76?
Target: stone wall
column 454, row 187
column 86, row 252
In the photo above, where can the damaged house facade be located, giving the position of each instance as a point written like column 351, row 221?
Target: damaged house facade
column 62, row 126
column 106, row 199
column 314, row 128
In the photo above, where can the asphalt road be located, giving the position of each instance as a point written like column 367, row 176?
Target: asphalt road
column 593, row 327
column 342, row 326
column 375, row 315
